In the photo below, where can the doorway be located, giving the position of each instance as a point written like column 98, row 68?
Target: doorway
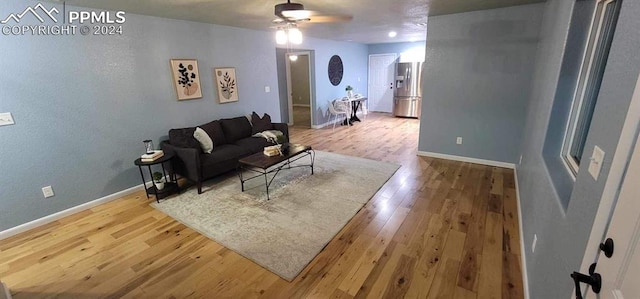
column 381, row 73
column 299, row 89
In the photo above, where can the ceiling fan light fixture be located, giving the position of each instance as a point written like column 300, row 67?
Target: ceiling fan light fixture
column 295, row 36
column 281, row 8
column 281, row 37
column 297, row 14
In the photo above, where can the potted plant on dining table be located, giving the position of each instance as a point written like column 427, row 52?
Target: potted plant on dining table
column 349, row 90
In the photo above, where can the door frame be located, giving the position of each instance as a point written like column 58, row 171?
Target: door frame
column 395, row 57
column 619, row 165
column 290, row 88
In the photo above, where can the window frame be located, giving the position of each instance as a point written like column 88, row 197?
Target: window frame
column 593, row 48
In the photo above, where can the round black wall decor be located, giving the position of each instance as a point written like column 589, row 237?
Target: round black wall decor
column 335, row 70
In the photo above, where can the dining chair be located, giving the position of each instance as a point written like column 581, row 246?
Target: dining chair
column 365, row 110
column 337, row 108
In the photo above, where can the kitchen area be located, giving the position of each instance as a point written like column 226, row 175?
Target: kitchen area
column 395, row 78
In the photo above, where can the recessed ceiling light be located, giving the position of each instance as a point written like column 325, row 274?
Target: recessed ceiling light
column 392, row 34
column 423, row 24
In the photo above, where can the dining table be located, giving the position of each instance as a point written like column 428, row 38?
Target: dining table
column 354, row 104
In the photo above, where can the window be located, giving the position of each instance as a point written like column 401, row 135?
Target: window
column 594, row 61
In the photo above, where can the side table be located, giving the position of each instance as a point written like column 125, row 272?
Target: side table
column 170, row 187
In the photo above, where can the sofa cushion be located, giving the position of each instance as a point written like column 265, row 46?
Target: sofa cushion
column 254, row 144
column 235, row 128
column 183, row 138
column 214, row 130
column 260, row 124
column 225, row 152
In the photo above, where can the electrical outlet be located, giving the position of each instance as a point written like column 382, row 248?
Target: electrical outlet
column 267, row 89
column 459, row 140
column 533, row 244
column 47, row 191
column 6, row 119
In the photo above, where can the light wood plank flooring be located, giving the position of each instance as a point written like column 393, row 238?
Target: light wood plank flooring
column 436, row 229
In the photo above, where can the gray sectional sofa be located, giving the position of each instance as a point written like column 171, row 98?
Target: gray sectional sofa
column 232, row 140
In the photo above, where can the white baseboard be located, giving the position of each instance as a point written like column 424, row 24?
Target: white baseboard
column 523, row 257
column 338, row 120
column 79, row 208
column 329, row 123
column 467, row 159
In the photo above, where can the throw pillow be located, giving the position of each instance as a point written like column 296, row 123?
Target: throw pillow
column 260, row 124
column 205, row 141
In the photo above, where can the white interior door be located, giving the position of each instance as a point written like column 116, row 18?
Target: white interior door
column 620, row 273
column 381, row 73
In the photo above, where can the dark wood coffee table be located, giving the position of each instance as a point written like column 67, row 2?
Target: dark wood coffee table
column 265, row 165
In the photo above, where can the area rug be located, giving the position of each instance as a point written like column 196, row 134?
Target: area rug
column 305, row 212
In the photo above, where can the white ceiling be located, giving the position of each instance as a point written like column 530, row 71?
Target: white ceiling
column 372, row 20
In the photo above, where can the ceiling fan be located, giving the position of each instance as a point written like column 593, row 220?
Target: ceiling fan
column 293, row 13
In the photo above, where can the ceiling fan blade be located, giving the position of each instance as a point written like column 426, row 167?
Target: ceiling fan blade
column 330, row 19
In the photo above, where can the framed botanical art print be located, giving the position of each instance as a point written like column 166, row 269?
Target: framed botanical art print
column 225, row 80
column 186, row 79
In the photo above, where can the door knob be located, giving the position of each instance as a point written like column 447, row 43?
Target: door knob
column 593, row 279
column 607, row 247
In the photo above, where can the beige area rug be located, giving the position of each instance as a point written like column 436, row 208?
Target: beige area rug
column 305, row 212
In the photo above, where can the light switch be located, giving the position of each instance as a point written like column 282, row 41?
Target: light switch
column 47, row 191
column 595, row 163
column 6, row 119
column 267, row 89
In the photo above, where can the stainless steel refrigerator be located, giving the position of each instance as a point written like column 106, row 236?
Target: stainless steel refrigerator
column 407, row 96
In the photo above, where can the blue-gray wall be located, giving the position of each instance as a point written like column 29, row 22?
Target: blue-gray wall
column 354, row 59
column 563, row 99
column 563, row 232
column 476, row 82
column 397, row 48
column 281, row 65
column 83, row 104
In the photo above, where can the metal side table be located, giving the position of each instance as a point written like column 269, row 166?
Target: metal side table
column 170, row 186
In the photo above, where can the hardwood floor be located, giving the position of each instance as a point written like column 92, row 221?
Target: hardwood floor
column 436, row 229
